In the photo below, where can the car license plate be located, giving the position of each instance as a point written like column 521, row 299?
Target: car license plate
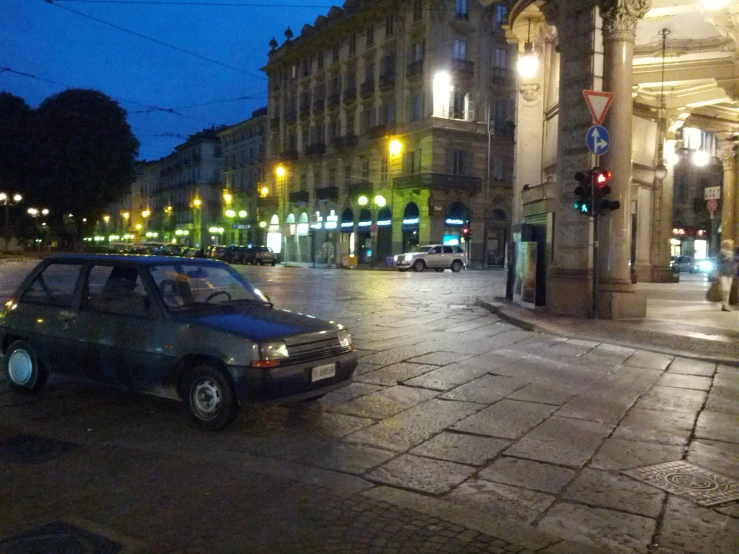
column 323, row 372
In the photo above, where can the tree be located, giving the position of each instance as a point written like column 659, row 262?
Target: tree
column 85, row 153
column 16, row 141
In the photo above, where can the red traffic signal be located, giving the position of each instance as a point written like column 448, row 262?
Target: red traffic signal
column 466, row 231
column 601, row 177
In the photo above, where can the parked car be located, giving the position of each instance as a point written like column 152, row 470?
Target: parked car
column 434, row 256
column 260, row 255
column 236, row 254
column 215, row 252
column 187, row 329
column 682, row 264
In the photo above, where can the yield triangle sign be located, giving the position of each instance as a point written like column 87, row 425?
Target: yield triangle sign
column 598, row 104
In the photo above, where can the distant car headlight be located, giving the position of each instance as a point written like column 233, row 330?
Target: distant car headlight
column 270, row 353
column 345, row 339
column 705, row 266
column 408, row 257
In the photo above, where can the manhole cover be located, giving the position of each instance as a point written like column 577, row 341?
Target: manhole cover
column 704, row 487
column 30, row 449
column 59, row 537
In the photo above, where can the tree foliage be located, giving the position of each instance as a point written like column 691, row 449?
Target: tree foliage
column 85, row 152
column 16, row 139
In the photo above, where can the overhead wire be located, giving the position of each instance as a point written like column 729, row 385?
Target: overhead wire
column 157, row 41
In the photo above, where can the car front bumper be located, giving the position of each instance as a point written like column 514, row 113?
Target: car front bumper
column 290, row 383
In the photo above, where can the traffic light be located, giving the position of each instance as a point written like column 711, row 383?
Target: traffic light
column 584, row 193
column 466, row 233
column 602, row 204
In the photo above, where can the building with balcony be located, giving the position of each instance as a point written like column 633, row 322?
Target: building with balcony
column 391, row 124
column 243, row 147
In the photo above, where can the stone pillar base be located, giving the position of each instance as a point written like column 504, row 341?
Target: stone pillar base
column 643, row 272
column 569, row 292
column 664, row 275
column 622, row 305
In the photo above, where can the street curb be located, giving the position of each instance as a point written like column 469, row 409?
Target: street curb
column 531, row 324
column 505, row 529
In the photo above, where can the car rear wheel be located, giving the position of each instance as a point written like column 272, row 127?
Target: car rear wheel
column 456, row 266
column 209, row 398
column 23, row 369
column 419, row 266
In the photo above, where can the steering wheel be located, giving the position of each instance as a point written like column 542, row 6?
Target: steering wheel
column 216, row 293
column 167, row 283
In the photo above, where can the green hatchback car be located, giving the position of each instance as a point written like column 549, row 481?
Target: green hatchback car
column 181, row 328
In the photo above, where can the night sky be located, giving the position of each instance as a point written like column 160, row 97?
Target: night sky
column 55, row 44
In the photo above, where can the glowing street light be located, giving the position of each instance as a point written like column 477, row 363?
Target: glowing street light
column 197, row 202
column 106, row 218
column 701, row 158
column 145, row 214
column 227, row 197
column 262, row 224
column 395, row 147
column 362, row 200
column 264, row 192
column 380, row 201
column 45, row 212
column 242, row 213
column 280, row 171
column 17, row 198
column 230, row 213
column 32, row 212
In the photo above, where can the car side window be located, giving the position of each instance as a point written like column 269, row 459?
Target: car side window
column 448, row 250
column 54, row 285
column 116, row 289
column 435, row 250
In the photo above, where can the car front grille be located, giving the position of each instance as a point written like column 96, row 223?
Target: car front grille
column 319, row 350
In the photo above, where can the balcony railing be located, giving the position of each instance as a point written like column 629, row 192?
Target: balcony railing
column 350, row 95
column 438, row 181
column 289, row 155
column 463, row 68
column 304, row 111
column 318, row 106
column 345, row 141
column 327, row 193
column 367, row 89
column 299, row 197
column 315, row 148
column 387, row 80
column 414, row 69
column 359, row 188
column 270, row 201
column 377, row 131
column 334, row 101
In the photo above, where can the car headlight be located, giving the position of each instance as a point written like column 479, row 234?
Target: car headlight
column 345, row 339
column 273, row 350
column 705, row 266
column 408, row 257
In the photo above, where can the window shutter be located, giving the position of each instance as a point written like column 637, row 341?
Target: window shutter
column 470, row 110
column 450, row 108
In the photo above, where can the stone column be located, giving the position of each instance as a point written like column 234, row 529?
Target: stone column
column 729, row 197
column 617, row 297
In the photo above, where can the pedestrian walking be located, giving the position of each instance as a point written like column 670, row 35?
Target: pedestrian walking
column 727, row 268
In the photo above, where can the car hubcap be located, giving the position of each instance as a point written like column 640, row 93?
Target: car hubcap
column 206, row 398
column 20, row 367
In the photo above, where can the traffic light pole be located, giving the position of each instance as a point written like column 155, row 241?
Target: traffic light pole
column 596, row 221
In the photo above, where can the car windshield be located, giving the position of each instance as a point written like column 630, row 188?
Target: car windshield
column 192, row 286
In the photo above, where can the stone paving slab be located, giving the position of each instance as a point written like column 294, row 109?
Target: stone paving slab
column 502, row 501
column 609, row 529
column 616, row 454
column 723, row 398
column 394, row 374
column 672, row 399
column 545, row 391
column 507, row 419
column 414, row 426
column 717, row 426
column 696, row 382
column 562, row 441
column 421, row 474
column 385, row 403
column 692, row 367
column 656, row 426
column 447, row 378
column 527, row 474
column 486, row 389
column 348, row 458
column 691, row 528
column 439, row 358
column 611, row 490
column 649, row 360
column 464, row 449
column 350, row 392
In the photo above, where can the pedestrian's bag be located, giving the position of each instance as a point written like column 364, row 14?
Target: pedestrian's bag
column 715, row 292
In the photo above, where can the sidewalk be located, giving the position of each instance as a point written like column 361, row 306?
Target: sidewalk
column 684, row 328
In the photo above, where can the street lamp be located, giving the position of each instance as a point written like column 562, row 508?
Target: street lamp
column 528, row 64
column 280, row 171
column 395, row 147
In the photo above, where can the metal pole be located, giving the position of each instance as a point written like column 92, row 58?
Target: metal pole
column 487, row 197
column 7, row 223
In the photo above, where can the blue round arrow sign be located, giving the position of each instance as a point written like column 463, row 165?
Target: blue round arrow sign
column 598, row 140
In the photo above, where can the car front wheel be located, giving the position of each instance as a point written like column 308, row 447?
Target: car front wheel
column 209, row 398
column 419, row 266
column 456, row 266
column 23, row 369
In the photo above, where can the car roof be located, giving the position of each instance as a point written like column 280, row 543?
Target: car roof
column 129, row 258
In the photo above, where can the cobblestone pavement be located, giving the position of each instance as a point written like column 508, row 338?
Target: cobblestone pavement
column 460, row 433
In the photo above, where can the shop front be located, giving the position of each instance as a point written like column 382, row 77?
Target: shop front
column 410, row 227
column 384, row 235
column 456, row 218
column 364, row 237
